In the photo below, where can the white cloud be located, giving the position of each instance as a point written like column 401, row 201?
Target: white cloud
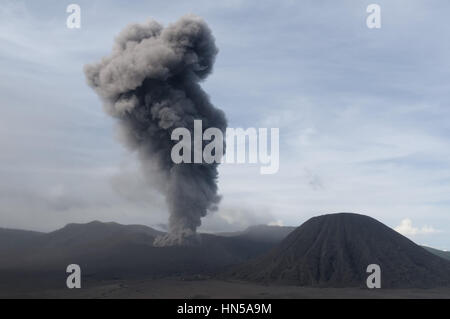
column 406, row 228
column 277, row 222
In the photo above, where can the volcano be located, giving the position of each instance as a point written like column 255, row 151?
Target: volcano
column 334, row 251
column 108, row 251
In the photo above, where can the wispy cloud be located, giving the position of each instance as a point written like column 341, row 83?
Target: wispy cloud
column 406, row 228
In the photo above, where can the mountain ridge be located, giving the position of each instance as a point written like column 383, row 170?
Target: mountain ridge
column 334, row 250
column 113, row 250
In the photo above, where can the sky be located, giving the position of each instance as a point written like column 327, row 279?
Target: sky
column 362, row 113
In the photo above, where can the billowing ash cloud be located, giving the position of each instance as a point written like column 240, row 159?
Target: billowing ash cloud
column 150, row 84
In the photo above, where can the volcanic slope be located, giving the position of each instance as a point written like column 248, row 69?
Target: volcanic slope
column 334, row 251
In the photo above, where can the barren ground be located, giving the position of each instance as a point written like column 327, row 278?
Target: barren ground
column 193, row 289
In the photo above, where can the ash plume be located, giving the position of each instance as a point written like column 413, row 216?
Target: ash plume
column 150, row 84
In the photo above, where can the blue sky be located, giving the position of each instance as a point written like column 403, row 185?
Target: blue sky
column 362, row 113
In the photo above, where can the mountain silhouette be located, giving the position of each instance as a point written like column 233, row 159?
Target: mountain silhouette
column 111, row 250
column 334, row 251
column 328, row 251
column 264, row 233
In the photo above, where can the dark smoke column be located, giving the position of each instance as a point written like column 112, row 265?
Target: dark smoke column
column 150, row 84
